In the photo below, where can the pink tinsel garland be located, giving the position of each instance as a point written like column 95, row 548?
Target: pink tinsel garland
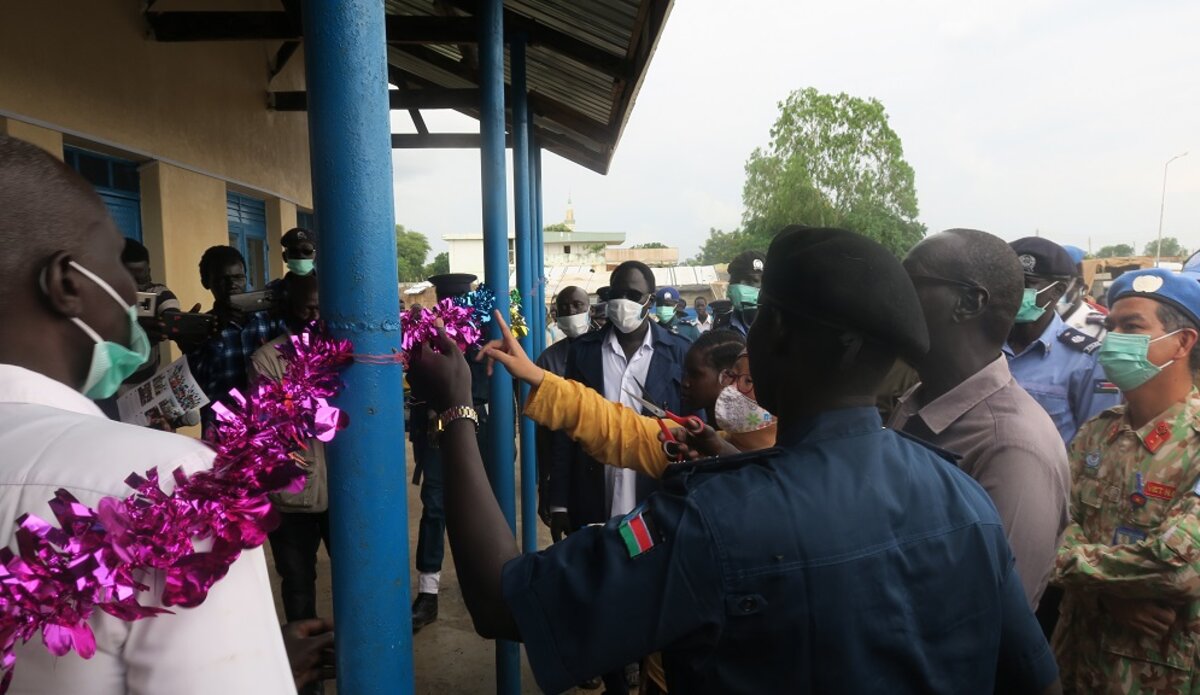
column 418, row 327
column 60, row 575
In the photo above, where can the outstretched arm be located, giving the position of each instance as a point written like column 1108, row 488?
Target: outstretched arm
column 479, row 534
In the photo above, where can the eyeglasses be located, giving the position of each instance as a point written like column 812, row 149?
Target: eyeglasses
column 743, row 380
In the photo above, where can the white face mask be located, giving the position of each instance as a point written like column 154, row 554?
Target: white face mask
column 626, row 315
column 575, row 325
column 736, row 412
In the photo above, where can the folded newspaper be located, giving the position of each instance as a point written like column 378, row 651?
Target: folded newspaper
column 162, row 399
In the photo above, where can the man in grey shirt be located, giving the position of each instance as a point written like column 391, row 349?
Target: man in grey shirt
column 970, row 285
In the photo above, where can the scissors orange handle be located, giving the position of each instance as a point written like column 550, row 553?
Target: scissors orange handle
column 670, row 445
column 691, row 423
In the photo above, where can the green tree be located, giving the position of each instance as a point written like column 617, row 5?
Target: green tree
column 650, row 245
column 557, row 227
column 833, row 160
column 411, row 249
column 1170, row 248
column 1115, row 250
column 439, row 266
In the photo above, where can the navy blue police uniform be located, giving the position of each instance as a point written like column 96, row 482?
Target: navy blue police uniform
column 846, row 559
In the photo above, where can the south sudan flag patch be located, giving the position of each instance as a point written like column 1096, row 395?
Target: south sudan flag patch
column 637, row 532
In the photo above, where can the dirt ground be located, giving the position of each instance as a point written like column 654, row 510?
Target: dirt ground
column 448, row 656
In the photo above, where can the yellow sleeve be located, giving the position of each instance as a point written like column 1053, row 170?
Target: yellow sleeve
column 609, row 432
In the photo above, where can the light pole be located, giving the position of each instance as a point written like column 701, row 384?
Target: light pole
column 1162, row 206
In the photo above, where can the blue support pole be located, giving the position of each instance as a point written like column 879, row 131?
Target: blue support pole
column 350, row 144
column 500, row 454
column 524, row 252
column 536, row 249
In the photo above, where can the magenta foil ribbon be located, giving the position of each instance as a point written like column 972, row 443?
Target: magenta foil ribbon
column 418, row 327
column 61, row 574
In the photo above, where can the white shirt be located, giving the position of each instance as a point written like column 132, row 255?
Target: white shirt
column 705, row 325
column 619, row 374
column 54, row 437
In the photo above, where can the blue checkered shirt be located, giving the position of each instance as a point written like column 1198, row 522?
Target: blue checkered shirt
column 221, row 363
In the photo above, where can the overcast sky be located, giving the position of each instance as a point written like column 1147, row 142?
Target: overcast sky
column 1017, row 116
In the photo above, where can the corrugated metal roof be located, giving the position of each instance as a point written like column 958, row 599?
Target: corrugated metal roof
column 586, row 59
column 579, row 107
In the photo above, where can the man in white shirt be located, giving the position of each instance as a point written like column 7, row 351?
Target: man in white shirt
column 62, row 282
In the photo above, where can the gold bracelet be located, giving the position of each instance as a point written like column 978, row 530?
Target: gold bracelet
column 457, row 412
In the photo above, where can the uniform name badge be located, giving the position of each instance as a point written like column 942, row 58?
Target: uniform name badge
column 1128, row 536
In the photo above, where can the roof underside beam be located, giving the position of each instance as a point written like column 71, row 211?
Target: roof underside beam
column 176, row 26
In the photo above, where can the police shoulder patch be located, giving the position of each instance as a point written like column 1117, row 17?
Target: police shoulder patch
column 1079, row 341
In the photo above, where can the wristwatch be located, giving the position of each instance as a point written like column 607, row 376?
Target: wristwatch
column 457, row 412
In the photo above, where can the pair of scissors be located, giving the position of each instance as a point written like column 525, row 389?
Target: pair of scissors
column 691, row 423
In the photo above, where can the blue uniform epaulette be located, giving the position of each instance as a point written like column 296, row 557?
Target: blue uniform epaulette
column 948, row 455
column 1079, row 341
column 716, row 465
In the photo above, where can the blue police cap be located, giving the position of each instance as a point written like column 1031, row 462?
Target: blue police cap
column 1192, row 266
column 1179, row 291
column 1075, row 253
column 665, row 295
column 1043, row 257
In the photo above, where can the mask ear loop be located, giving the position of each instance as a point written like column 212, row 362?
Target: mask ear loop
column 45, row 288
column 100, row 282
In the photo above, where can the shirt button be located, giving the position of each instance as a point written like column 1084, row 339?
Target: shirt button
column 747, row 604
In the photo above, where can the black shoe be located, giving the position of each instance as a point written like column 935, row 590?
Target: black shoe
column 424, row 610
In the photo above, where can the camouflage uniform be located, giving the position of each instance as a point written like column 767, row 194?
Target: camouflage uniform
column 1135, row 533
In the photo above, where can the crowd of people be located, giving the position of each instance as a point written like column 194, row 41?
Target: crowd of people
column 956, row 472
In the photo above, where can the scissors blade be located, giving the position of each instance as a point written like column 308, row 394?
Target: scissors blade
column 648, row 405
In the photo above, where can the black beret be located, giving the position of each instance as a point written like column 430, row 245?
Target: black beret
column 1043, row 257
column 452, row 284
column 296, row 235
column 745, row 263
column 842, row 278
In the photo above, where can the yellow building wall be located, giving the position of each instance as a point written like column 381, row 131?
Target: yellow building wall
column 49, row 140
column 183, row 213
column 88, row 69
column 281, row 216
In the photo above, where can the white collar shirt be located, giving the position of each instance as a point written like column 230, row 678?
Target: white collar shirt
column 53, row 437
column 620, row 484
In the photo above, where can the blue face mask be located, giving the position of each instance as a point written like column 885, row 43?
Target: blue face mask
column 1125, row 359
column 1030, row 311
column 112, row 363
column 301, row 266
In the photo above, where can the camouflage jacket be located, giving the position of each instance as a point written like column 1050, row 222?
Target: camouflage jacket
column 1134, row 533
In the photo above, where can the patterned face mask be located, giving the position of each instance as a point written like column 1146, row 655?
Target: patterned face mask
column 736, row 412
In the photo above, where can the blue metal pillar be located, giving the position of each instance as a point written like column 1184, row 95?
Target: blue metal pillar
column 539, row 272
column 500, row 452
column 525, row 285
column 350, row 144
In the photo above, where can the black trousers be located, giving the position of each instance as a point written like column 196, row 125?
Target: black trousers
column 294, row 546
column 431, row 532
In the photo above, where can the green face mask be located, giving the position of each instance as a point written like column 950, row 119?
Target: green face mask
column 1124, row 357
column 664, row 313
column 1030, row 311
column 743, row 296
column 301, row 266
column 112, row 363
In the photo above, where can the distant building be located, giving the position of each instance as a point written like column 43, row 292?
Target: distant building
column 596, row 250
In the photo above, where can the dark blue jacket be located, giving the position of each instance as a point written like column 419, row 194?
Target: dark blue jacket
column 576, row 479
